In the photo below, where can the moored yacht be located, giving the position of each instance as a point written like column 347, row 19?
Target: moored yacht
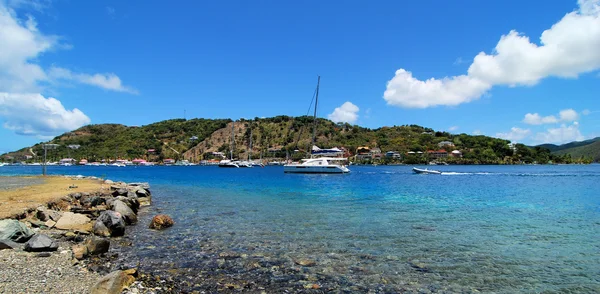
column 227, row 163
column 322, row 165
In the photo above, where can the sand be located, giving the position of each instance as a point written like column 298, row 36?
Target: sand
column 18, row 194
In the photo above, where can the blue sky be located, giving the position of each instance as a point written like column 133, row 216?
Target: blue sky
column 513, row 69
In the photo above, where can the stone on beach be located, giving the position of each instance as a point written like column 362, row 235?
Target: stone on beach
column 109, row 224
column 45, row 214
column 74, row 221
column 7, row 244
column 114, row 282
column 40, row 243
column 126, row 212
column 14, row 230
column 161, row 221
column 97, row 245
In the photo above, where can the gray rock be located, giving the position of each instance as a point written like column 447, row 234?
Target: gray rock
column 76, row 195
column 120, row 192
column 133, row 202
column 109, row 224
column 45, row 214
column 7, row 244
column 97, row 245
column 126, row 212
column 40, row 243
column 109, row 182
column 14, row 230
column 142, row 185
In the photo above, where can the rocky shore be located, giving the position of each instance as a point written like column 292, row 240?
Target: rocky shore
column 63, row 246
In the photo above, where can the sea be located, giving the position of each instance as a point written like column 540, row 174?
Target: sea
column 378, row 229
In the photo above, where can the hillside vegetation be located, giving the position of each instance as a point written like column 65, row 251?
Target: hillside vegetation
column 279, row 136
column 591, row 150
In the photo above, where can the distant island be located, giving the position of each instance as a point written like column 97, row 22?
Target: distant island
column 282, row 137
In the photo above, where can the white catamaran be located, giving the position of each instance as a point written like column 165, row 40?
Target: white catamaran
column 319, row 165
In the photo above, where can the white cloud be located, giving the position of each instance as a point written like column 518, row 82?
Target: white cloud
column 348, row 112
column 515, row 134
column 565, row 115
column 459, row 61
column 108, row 81
column 477, row 132
column 586, row 112
column 453, row 128
column 568, row 49
column 562, row 134
column 35, row 115
column 22, row 43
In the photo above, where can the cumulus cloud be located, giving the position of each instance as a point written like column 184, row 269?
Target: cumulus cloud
column 562, row 134
column 348, row 112
column 567, row 49
column 35, row 115
column 566, row 115
column 22, row 43
column 515, row 134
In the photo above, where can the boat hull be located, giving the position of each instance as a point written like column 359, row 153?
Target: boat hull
column 426, row 171
column 300, row 169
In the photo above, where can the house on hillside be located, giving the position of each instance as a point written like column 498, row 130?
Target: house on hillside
column 445, row 144
column 393, row 155
column 169, row 161
column 363, row 153
column 437, row 153
column 456, row 153
column 376, row 153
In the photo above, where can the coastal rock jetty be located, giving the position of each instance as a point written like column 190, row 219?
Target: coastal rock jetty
column 45, row 249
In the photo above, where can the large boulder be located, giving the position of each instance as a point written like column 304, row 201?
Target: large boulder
column 120, row 192
column 126, row 212
column 40, row 243
column 161, row 221
column 91, row 201
column 133, row 202
column 14, row 230
column 74, row 221
column 113, row 283
column 109, row 224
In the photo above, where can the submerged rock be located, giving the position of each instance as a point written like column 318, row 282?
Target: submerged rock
column 109, row 224
column 161, row 221
column 40, row 243
column 14, row 230
column 114, row 282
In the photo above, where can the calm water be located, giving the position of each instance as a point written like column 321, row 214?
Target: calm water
column 499, row 229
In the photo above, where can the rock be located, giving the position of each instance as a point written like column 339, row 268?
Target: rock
column 109, row 224
column 50, row 223
column 74, row 221
column 97, row 245
column 45, row 214
column 145, row 201
column 140, row 192
column 14, row 230
column 79, row 251
column 76, row 196
column 133, row 202
column 126, row 212
column 120, row 192
column 306, row 262
column 44, row 254
column 113, row 283
column 141, row 185
column 92, row 201
column 109, row 182
column 161, row 221
column 7, row 244
column 40, row 243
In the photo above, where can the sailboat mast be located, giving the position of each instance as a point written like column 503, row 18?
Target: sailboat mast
column 315, row 115
column 232, row 140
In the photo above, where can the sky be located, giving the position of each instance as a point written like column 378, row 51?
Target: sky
column 511, row 69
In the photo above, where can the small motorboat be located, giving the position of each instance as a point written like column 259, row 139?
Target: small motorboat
column 426, row 171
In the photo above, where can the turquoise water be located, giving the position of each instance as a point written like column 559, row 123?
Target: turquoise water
column 499, row 229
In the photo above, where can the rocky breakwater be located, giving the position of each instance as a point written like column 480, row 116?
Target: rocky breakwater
column 74, row 233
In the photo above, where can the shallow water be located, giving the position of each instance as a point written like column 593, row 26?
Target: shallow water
column 474, row 228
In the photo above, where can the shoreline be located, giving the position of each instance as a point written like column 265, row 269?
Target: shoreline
column 54, row 236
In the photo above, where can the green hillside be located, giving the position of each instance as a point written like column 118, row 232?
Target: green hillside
column 555, row 148
column 591, row 151
column 195, row 138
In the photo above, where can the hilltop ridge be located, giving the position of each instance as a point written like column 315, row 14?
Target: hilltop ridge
column 196, row 139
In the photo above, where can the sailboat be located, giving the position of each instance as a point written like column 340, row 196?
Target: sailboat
column 319, row 165
column 229, row 162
